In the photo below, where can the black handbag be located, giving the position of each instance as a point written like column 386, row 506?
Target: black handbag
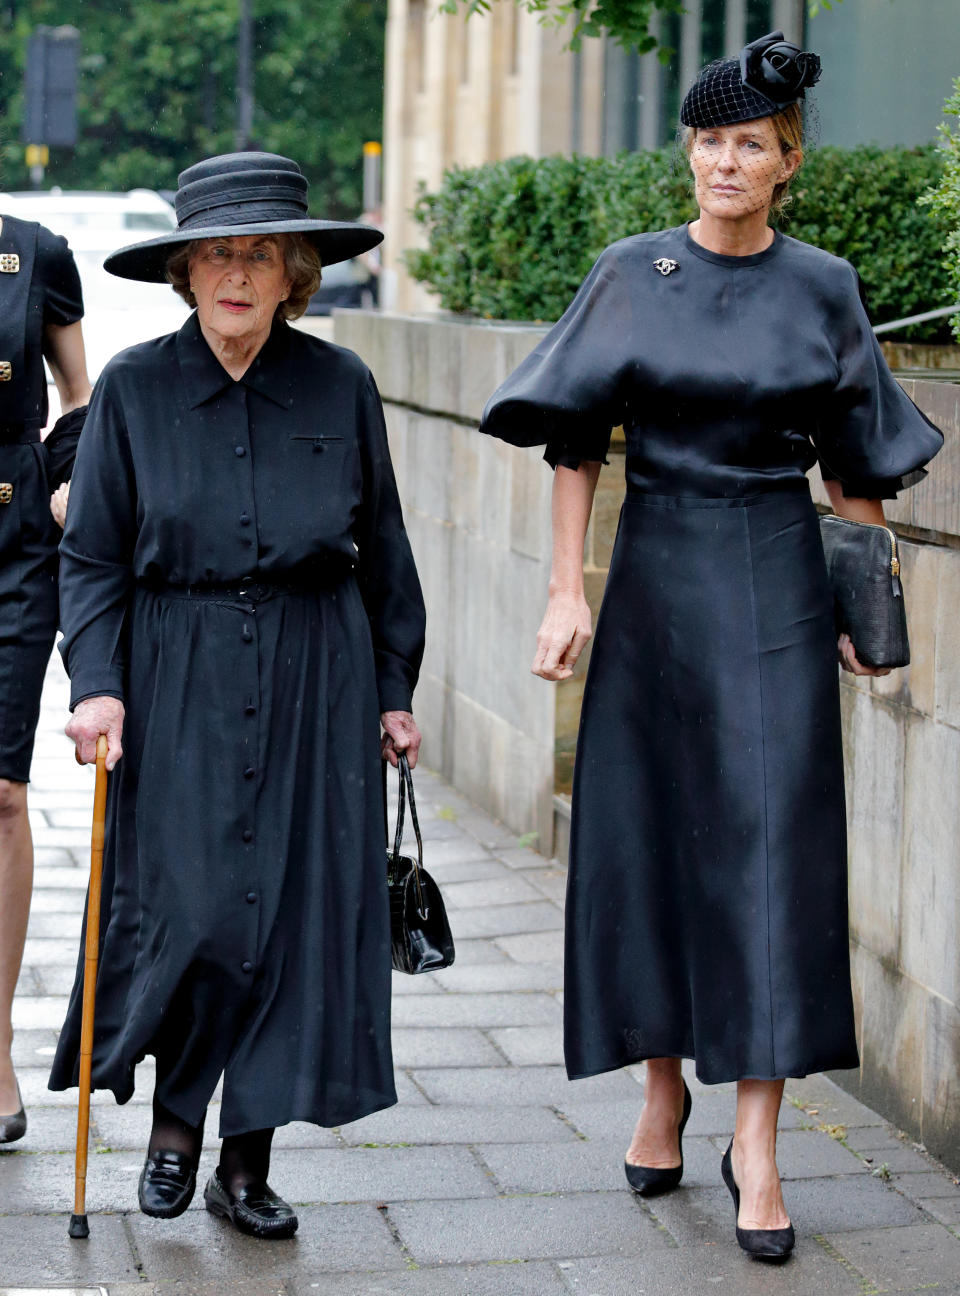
column 863, row 564
column 420, row 938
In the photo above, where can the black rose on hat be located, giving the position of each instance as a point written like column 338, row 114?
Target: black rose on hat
column 778, row 68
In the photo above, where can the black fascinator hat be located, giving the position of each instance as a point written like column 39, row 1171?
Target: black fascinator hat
column 242, row 193
column 770, row 75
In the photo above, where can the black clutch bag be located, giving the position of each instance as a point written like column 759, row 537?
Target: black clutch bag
column 420, row 938
column 863, row 564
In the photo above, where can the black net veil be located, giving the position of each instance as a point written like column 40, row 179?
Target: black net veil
column 768, row 79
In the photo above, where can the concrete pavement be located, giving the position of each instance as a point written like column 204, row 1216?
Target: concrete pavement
column 494, row 1174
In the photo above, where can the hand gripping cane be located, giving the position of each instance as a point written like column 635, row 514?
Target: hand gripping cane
column 79, row 1228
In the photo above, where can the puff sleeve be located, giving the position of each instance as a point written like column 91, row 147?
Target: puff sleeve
column 869, row 436
column 567, row 394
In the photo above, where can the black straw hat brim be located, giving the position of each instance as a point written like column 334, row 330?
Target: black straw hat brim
column 334, row 240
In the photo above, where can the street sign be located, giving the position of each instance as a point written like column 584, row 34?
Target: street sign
column 50, row 88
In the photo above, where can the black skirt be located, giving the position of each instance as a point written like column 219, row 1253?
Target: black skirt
column 707, row 901
column 28, row 596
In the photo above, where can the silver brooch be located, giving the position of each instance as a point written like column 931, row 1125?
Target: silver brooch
column 666, row 266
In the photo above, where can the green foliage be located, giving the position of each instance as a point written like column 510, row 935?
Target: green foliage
column 945, row 199
column 625, row 21
column 157, row 89
column 514, row 239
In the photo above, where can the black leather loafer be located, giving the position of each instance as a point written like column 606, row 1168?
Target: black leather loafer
column 167, row 1184
column 762, row 1244
column 255, row 1209
column 648, row 1181
column 14, row 1127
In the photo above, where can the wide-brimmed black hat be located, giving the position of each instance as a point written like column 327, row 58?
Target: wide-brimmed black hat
column 242, row 193
column 770, row 75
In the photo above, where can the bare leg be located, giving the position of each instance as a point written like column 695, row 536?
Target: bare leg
column 655, row 1140
column 754, row 1155
column 16, row 884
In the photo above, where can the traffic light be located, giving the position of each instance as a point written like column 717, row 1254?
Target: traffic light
column 50, row 87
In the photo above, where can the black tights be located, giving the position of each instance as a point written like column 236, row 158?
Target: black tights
column 244, row 1158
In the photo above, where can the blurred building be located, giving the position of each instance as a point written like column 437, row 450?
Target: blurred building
column 465, row 91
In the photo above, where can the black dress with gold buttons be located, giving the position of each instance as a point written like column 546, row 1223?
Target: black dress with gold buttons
column 39, row 285
column 235, row 567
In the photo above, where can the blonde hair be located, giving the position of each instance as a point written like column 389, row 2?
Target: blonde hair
column 300, row 258
column 788, row 123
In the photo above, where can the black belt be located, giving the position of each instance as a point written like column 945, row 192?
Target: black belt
column 14, row 434
column 252, row 591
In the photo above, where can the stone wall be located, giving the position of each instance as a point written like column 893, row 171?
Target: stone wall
column 478, row 513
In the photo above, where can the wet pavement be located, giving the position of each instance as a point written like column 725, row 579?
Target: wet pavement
column 493, row 1174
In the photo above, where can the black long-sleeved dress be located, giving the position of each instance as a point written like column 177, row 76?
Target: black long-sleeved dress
column 236, row 569
column 707, row 899
column 39, row 285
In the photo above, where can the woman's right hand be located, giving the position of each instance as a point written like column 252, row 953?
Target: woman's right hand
column 91, row 718
column 564, row 633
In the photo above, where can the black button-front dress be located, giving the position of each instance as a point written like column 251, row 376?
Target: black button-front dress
column 39, row 285
column 707, row 900
column 236, row 569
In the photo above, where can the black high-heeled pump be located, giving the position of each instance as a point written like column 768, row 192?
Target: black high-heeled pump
column 649, row 1181
column 764, row 1244
column 14, row 1127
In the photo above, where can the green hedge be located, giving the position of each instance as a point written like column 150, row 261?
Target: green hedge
column 513, row 239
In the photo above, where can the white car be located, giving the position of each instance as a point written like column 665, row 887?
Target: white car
column 118, row 312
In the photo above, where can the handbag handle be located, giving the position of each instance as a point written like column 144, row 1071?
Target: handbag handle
column 406, row 790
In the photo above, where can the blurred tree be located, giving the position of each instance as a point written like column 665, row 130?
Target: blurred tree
column 628, row 22
column 157, row 89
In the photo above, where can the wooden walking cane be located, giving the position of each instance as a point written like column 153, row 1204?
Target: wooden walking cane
column 79, row 1228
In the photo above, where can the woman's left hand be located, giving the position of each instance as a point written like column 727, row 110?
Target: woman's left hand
column 58, row 504
column 848, row 659
column 400, row 734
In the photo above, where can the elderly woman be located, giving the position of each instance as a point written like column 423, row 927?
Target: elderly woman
column 706, row 913
column 240, row 604
column 41, row 306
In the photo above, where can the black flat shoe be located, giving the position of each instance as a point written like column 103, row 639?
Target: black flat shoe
column 255, row 1209
column 167, row 1184
column 764, row 1244
column 14, row 1127
column 648, row 1181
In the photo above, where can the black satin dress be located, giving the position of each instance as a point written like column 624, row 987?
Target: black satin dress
column 235, row 568
column 707, row 899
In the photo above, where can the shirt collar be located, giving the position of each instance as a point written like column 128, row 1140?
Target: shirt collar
column 270, row 374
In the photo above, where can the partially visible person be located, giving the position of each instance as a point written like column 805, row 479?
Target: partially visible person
column 41, row 306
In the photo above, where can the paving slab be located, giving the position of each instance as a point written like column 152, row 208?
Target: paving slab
column 500, row 977
column 595, row 1166
column 35, row 1251
column 533, row 947
column 439, row 1125
column 711, row 1114
column 379, row 1174
column 522, row 1278
column 808, row 1154
column 533, row 1009
column 830, row 1104
column 538, row 1086
column 526, row 1228
column 695, row 1271
column 418, row 1047
column 503, row 920
column 506, row 889
column 903, row 1259
column 816, row 1206
column 472, row 953
column 198, row 1247
column 530, row 1045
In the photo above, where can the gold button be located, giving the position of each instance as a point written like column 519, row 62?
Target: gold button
column 6, row 492
column 6, row 370
column 9, row 263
